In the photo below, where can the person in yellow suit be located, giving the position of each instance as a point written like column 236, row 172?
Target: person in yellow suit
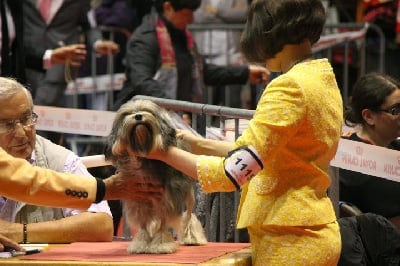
column 281, row 161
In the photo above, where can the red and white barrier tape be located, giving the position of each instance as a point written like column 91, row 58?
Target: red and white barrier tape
column 74, row 121
column 368, row 159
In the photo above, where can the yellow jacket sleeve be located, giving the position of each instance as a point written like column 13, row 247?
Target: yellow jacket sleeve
column 21, row 181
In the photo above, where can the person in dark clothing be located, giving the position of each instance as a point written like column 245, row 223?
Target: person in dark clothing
column 369, row 239
column 117, row 13
column 162, row 59
column 52, row 44
column 119, row 20
column 12, row 65
column 375, row 108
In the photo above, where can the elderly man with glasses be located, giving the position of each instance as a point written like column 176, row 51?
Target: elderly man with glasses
column 22, row 222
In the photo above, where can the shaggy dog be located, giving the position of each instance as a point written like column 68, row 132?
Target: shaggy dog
column 142, row 125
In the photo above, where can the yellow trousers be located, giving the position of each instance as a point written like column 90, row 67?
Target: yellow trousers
column 289, row 245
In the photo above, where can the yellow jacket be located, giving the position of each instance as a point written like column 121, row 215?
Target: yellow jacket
column 295, row 130
column 21, row 181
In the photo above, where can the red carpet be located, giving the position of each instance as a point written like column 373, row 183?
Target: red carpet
column 116, row 251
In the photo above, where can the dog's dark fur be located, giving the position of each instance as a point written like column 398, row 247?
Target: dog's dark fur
column 143, row 125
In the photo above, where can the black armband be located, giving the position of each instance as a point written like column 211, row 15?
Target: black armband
column 101, row 190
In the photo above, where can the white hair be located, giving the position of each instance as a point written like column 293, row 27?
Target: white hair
column 9, row 87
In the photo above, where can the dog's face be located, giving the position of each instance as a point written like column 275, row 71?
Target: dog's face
column 141, row 125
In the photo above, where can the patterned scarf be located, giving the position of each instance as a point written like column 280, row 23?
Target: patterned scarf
column 167, row 74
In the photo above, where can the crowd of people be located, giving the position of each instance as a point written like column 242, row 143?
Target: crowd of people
column 280, row 163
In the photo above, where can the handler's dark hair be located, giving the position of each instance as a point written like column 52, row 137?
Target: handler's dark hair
column 177, row 4
column 271, row 24
column 369, row 92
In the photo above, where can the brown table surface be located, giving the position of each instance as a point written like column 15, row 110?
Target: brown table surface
column 238, row 258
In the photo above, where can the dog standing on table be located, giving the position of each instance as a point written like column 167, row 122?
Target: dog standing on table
column 142, row 125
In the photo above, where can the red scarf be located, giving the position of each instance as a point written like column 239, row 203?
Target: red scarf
column 168, row 73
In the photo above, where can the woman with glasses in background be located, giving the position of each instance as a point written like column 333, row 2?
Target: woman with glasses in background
column 375, row 110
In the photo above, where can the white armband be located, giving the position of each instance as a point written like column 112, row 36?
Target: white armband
column 242, row 164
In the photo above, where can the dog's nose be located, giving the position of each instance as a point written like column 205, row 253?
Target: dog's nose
column 138, row 117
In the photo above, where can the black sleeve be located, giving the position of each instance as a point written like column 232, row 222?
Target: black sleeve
column 142, row 59
column 215, row 75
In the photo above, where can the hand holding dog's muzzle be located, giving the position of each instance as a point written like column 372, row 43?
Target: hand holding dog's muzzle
column 128, row 188
column 154, row 154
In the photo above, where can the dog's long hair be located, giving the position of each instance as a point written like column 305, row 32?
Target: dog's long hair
column 142, row 125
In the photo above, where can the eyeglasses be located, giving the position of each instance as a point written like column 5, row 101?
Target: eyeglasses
column 394, row 110
column 26, row 122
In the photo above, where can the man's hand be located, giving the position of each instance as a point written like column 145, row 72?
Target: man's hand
column 6, row 242
column 72, row 54
column 258, row 74
column 106, row 47
column 131, row 188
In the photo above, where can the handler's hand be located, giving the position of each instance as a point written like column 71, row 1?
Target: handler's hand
column 154, row 154
column 188, row 138
column 131, row 188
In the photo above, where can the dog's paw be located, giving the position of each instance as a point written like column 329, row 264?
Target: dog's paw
column 193, row 233
column 140, row 243
column 137, row 247
column 164, row 248
column 163, row 242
